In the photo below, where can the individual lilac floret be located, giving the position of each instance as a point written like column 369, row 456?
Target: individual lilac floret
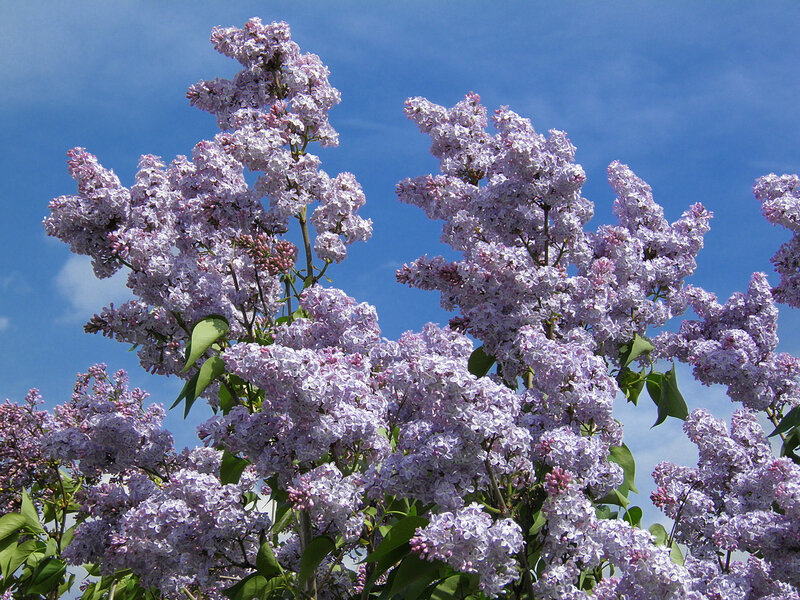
column 330, row 498
column 734, row 344
column 105, row 427
column 738, row 499
column 469, row 541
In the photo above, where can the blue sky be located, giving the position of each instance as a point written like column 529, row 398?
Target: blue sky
column 699, row 99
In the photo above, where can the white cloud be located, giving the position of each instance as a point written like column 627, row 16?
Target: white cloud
column 85, row 293
column 4, row 323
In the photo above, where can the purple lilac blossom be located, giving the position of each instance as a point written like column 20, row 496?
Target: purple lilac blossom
column 739, row 498
column 186, row 531
column 23, row 460
column 470, row 541
column 177, row 228
column 780, row 205
column 452, row 427
column 734, row 344
column 330, row 498
column 577, row 540
column 511, row 205
column 106, row 428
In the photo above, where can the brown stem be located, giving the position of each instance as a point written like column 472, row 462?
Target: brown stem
column 306, row 243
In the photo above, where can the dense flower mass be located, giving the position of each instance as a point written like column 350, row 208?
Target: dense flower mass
column 22, row 458
column 738, row 498
column 734, row 344
column 106, row 428
column 340, row 464
column 194, row 235
column 511, row 205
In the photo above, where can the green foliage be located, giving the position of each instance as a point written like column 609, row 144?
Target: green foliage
column 480, row 363
column 204, row 333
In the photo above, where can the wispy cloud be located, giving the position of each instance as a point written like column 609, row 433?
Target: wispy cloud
column 4, row 323
column 84, row 293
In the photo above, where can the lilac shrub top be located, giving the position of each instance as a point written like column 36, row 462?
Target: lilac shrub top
column 340, row 464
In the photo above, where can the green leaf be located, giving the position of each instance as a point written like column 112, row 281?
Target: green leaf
column 634, row 516
column 314, row 554
column 604, row 512
column 266, row 563
column 187, row 391
column 623, row 457
column 397, row 535
column 226, row 400
column 413, row 573
column 479, row 362
column 67, row 538
column 791, row 419
column 447, row 589
column 231, row 468
column 28, row 510
column 675, row 554
column 663, row 389
column 631, row 384
column 46, row 576
column 660, row 534
column 21, row 553
column 7, row 553
column 10, row 524
column 211, row 369
column 616, row 498
column 300, row 313
column 253, row 586
column 634, row 349
column 283, row 517
column 791, row 442
column 204, row 333
column 539, row 521
column 66, row 586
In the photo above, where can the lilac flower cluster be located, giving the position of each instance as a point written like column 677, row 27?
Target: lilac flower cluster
column 268, row 254
column 453, row 428
column 105, row 427
column 185, row 531
column 734, row 344
column 318, row 398
column 578, row 541
column 330, row 497
column 780, row 205
column 738, row 498
column 470, row 541
column 511, row 205
column 273, row 108
column 23, row 461
column 177, row 228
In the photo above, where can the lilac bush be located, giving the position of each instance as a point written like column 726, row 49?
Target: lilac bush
column 341, row 464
